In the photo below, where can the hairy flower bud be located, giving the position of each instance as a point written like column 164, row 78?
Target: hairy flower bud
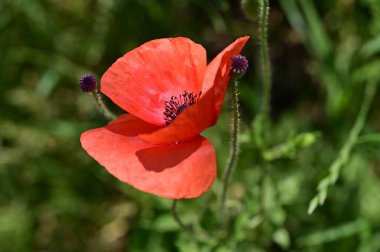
column 87, row 83
column 239, row 66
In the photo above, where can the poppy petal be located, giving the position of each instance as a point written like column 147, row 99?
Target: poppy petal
column 183, row 170
column 205, row 112
column 143, row 79
column 218, row 75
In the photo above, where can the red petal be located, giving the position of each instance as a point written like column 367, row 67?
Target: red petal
column 218, row 75
column 183, row 170
column 143, row 79
column 205, row 112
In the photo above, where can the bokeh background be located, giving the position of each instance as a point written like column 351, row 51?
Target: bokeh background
column 54, row 197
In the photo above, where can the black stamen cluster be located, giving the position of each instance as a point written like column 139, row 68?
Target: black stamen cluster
column 177, row 104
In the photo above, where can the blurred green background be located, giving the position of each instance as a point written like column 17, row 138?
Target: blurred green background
column 54, row 197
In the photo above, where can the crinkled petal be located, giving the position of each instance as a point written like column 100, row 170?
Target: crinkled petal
column 177, row 170
column 143, row 79
column 205, row 112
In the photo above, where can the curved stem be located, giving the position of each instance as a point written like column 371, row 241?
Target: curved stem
column 102, row 108
column 178, row 220
column 234, row 149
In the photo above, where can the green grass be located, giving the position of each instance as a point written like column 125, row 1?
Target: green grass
column 54, row 197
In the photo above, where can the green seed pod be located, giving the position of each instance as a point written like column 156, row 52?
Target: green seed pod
column 250, row 9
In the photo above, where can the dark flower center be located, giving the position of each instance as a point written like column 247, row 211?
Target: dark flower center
column 177, row 104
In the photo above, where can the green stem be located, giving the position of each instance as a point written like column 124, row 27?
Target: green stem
column 265, row 63
column 234, row 148
column 185, row 228
column 102, row 108
column 345, row 151
column 196, row 233
column 262, row 119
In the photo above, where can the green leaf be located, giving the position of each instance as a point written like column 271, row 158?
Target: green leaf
column 333, row 234
column 370, row 138
column 281, row 237
column 313, row 205
column 165, row 223
column 289, row 148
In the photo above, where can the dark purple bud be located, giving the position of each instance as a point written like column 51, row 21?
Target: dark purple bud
column 239, row 65
column 87, row 83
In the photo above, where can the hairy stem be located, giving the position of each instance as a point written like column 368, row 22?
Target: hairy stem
column 234, row 149
column 102, row 108
column 265, row 63
column 262, row 120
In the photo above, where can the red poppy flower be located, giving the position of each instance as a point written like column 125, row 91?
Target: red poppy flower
column 172, row 96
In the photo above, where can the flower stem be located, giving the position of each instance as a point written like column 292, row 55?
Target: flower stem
column 185, row 228
column 265, row 63
column 234, row 149
column 102, row 108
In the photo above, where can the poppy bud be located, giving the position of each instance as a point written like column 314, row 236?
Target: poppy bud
column 239, row 66
column 87, row 83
